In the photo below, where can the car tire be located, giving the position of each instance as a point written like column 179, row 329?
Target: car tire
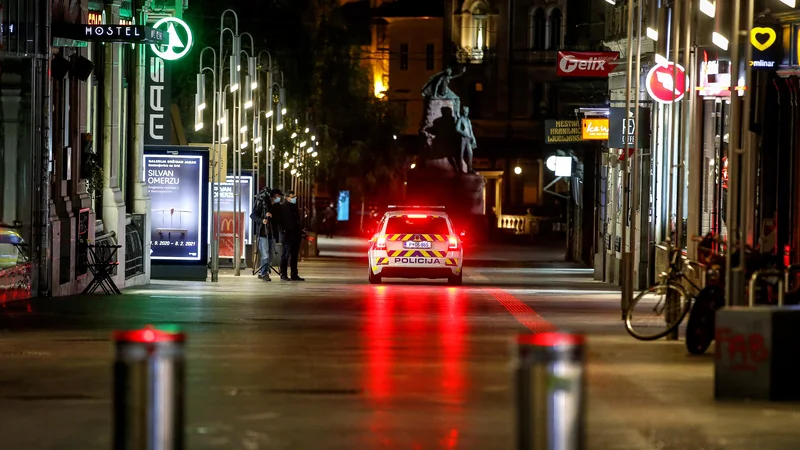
column 456, row 280
column 374, row 279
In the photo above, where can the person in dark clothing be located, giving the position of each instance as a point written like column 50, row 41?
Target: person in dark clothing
column 329, row 221
column 291, row 233
column 266, row 229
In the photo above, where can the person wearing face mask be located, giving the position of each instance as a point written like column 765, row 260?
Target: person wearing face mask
column 291, row 234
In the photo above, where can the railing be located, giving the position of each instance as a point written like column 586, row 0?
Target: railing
column 134, row 246
column 531, row 225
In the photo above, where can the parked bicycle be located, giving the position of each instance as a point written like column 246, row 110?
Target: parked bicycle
column 659, row 310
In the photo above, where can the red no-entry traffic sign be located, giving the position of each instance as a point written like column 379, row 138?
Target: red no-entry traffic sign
column 664, row 86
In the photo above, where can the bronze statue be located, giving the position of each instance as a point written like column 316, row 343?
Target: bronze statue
column 468, row 142
column 438, row 86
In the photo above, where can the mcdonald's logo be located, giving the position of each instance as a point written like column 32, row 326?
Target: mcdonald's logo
column 226, row 226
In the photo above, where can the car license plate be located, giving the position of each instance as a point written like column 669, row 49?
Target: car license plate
column 417, row 244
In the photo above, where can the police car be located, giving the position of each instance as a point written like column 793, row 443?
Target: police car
column 416, row 242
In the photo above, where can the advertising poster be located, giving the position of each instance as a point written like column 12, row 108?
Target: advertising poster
column 176, row 182
column 344, row 206
column 226, row 214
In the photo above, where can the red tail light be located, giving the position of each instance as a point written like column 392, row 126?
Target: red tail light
column 380, row 244
column 453, row 243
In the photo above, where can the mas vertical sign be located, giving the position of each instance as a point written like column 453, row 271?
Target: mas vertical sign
column 158, row 87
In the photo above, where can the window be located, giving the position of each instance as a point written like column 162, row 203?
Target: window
column 536, row 29
column 480, row 32
column 403, row 56
column 421, row 225
column 429, row 56
column 554, row 25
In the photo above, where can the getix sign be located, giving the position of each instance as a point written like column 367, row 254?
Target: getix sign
column 622, row 123
column 586, row 64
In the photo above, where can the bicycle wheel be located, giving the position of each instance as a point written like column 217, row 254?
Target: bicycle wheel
column 650, row 316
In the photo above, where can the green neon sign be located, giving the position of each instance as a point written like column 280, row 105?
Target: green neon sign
column 180, row 38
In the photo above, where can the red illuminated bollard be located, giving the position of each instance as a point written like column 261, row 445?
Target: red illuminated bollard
column 550, row 396
column 149, row 390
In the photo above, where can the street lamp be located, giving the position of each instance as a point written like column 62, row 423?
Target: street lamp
column 200, row 106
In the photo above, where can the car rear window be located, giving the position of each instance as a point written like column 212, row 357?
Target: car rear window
column 417, row 225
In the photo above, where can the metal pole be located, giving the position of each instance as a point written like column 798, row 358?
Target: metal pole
column 627, row 263
column 215, row 184
column 686, row 119
column 675, row 143
column 636, row 190
column 747, row 162
column 149, row 388
column 550, row 388
column 734, row 276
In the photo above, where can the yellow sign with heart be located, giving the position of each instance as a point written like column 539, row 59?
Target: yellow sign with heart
column 757, row 32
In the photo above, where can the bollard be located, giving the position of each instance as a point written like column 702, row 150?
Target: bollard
column 550, row 403
column 149, row 390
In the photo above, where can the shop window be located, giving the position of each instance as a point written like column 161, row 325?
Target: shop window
column 554, row 29
column 536, row 29
column 403, row 56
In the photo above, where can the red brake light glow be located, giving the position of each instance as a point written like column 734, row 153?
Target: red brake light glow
column 417, row 216
column 381, row 242
column 453, row 243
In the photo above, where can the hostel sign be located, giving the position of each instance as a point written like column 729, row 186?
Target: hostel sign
column 562, row 131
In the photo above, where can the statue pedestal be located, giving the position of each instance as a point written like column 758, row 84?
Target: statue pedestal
column 461, row 194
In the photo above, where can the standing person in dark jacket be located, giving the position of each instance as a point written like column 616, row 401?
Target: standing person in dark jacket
column 291, row 232
column 266, row 229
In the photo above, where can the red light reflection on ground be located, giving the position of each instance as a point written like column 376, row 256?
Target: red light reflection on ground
column 416, row 347
column 379, row 344
column 452, row 329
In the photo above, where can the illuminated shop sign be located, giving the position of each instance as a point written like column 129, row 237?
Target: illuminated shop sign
column 562, row 131
column 594, row 129
column 109, row 33
column 180, row 39
column 622, row 123
column 767, row 47
column 176, row 179
column 98, row 18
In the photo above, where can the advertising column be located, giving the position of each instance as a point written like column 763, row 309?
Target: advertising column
column 226, row 215
column 177, row 179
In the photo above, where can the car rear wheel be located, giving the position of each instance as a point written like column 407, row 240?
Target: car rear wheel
column 374, row 279
column 456, row 280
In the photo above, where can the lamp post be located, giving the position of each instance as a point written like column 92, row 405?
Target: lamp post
column 200, row 106
column 230, row 118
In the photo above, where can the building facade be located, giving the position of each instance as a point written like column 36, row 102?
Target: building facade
column 24, row 148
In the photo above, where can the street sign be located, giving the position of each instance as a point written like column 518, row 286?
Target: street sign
column 585, row 64
column 662, row 84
